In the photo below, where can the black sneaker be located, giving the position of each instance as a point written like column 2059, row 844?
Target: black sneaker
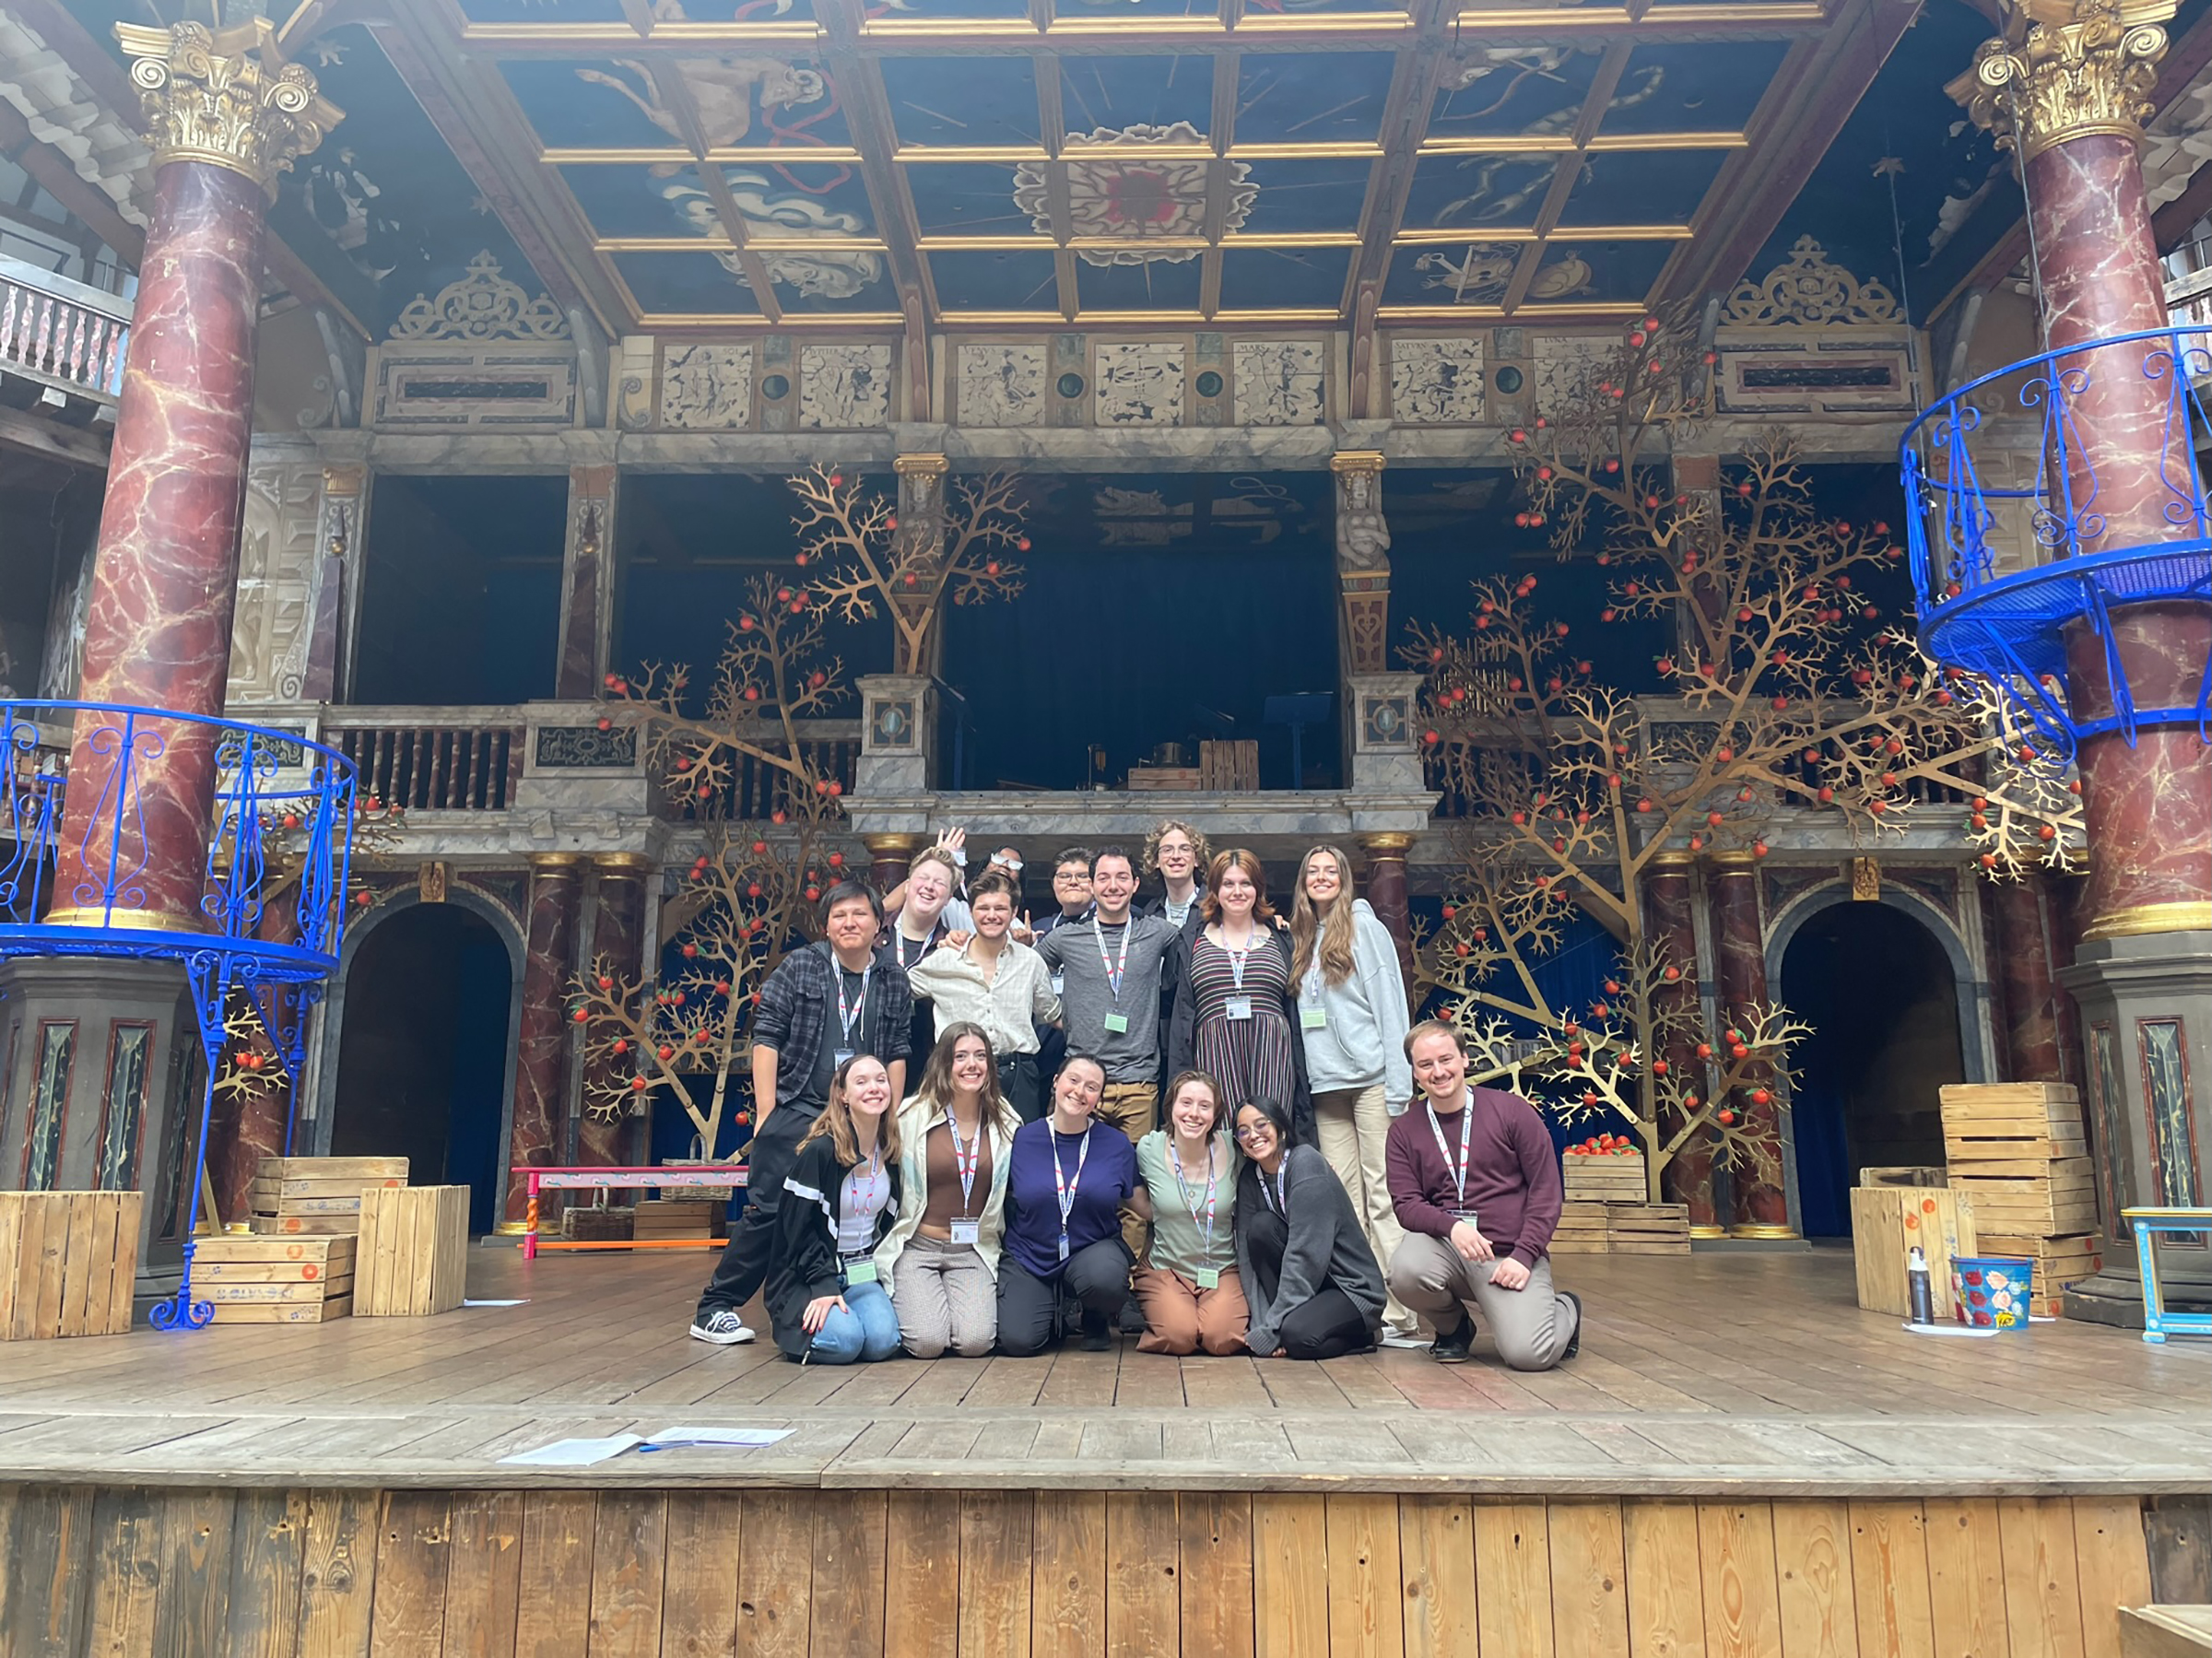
column 1132, row 1316
column 1574, row 1342
column 1097, row 1335
column 1453, row 1345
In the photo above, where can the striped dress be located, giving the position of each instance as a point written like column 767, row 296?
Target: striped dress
column 1251, row 1058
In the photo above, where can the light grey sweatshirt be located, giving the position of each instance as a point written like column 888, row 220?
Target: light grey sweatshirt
column 1362, row 1039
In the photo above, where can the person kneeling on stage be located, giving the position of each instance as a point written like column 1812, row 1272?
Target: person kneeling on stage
column 1309, row 1274
column 1477, row 1187
column 1069, row 1178
column 824, row 1302
column 1187, row 1284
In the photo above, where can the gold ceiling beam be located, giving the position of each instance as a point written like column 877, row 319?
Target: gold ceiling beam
column 675, row 96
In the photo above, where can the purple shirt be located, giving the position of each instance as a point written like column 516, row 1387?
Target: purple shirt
column 1513, row 1182
column 1032, row 1196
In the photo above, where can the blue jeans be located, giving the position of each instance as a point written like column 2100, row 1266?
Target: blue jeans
column 865, row 1330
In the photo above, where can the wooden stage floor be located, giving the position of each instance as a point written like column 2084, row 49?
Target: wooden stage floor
column 1718, row 1375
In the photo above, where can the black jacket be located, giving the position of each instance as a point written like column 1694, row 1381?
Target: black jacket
column 1182, row 1028
column 804, row 1264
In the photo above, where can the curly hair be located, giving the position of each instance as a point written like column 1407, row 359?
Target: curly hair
column 1197, row 838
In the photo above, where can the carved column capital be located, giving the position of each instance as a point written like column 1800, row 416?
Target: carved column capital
column 225, row 98
column 2067, row 69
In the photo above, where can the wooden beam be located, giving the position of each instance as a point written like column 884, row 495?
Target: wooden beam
column 868, row 114
column 77, row 445
column 68, row 186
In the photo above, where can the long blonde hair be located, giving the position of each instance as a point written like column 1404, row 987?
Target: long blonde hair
column 836, row 1120
column 1333, row 933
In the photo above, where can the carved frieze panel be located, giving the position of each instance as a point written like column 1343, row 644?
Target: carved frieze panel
column 1280, row 382
column 1568, row 365
column 275, row 579
column 1000, row 383
column 475, row 387
column 844, row 387
column 1436, row 381
column 707, row 387
column 1139, row 382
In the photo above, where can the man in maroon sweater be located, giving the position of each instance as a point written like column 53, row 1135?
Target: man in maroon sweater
column 1475, row 1183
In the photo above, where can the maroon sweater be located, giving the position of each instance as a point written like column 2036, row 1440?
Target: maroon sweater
column 1513, row 1182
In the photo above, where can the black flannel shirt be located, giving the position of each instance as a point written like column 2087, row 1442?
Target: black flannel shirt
column 794, row 1013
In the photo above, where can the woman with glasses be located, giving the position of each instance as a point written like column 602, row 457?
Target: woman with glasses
column 825, row 1301
column 940, row 1258
column 1236, row 1012
column 988, row 979
column 1068, row 1177
column 1187, row 1284
column 1309, row 1279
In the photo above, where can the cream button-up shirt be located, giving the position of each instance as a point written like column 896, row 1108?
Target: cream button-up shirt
column 1009, row 1007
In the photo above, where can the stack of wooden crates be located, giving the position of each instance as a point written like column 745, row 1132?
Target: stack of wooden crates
column 2017, row 1150
column 1605, row 1212
column 299, row 1265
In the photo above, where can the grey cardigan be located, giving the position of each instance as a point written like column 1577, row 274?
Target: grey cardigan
column 1327, row 1246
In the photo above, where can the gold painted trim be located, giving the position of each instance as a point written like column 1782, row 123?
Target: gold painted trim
column 1731, row 862
column 1394, row 844
column 1709, row 1232
column 1430, row 238
column 878, row 844
column 1425, row 237
column 1240, row 151
column 126, row 921
column 511, row 1228
column 1755, row 1229
column 815, row 323
column 551, row 861
column 2137, row 920
column 1672, row 860
column 567, row 37
column 842, row 154
column 625, row 862
column 720, row 244
column 925, row 154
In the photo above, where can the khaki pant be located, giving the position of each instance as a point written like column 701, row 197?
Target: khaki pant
column 1352, row 1125
column 945, row 1298
column 1532, row 1325
column 1180, row 1318
column 1134, row 1108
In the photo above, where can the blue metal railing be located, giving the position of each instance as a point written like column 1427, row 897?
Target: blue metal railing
column 2010, row 625
column 283, row 807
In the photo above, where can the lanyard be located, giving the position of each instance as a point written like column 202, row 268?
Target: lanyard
column 1115, row 971
column 965, row 1158
column 1213, row 1180
column 1281, row 1204
column 1063, row 1185
column 923, row 944
column 864, row 1200
column 849, row 1016
column 1237, row 956
column 1467, row 1130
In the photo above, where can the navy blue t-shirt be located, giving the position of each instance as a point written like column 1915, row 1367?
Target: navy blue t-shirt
column 1109, row 1176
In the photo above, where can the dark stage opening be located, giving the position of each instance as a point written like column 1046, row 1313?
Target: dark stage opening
column 1164, row 608
column 461, row 598
column 422, row 1062
column 1880, row 993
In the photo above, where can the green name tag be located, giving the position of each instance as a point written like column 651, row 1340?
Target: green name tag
column 1209, row 1280
column 1117, row 1023
column 860, row 1272
column 1312, row 1018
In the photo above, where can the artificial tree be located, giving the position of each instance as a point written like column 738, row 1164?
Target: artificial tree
column 750, row 894
column 861, row 562
column 1787, row 693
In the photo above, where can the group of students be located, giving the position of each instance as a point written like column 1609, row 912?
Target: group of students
column 1322, row 1176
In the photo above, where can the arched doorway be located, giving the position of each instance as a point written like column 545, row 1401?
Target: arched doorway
column 1880, row 993
column 422, row 1051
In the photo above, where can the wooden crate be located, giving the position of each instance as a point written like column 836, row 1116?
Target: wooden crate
column 1647, row 1229
column 68, row 1260
column 1912, row 1175
column 678, row 1218
column 2060, row 1202
column 275, row 1280
column 1581, row 1229
column 413, row 1255
column 593, row 1223
column 1230, row 767
column 1603, row 1177
column 1886, row 1221
column 2058, row 1261
column 309, row 1196
column 2010, row 1111
column 1163, row 779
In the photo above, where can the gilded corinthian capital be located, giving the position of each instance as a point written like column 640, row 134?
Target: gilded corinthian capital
column 2064, row 70
column 225, row 98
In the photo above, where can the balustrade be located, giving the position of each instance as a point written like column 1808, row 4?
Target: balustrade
column 62, row 333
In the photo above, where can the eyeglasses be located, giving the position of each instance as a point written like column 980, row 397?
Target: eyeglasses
column 1246, row 1136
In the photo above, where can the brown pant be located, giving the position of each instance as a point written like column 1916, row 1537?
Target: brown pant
column 1180, row 1318
column 1134, row 1108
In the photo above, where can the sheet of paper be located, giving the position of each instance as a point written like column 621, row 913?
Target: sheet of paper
column 742, row 1437
column 575, row 1454
column 523, row 1302
column 1947, row 1330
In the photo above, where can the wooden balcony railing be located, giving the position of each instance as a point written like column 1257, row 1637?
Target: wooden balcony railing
column 435, row 765
column 62, row 333
column 758, row 791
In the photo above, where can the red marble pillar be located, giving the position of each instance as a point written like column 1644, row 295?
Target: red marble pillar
column 617, row 940
column 2021, row 948
column 1386, row 893
column 1739, row 953
column 255, row 1128
column 2146, row 804
column 1670, row 927
column 158, row 631
column 541, row 1065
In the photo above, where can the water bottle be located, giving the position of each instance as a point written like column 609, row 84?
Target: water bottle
column 1920, row 1295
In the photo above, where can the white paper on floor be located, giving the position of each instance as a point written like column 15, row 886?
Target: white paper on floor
column 575, row 1454
column 741, row 1438
column 523, row 1302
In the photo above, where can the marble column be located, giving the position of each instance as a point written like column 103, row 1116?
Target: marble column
column 889, row 857
column 224, row 118
column 1386, row 893
column 587, row 571
column 1739, row 948
column 1670, row 926
column 543, row 1045
column 2031, row 996
column 256, row 1128
column 618, row 940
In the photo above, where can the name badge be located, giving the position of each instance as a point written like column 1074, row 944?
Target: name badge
column 1059, row 983
column 860, row 1272
column 1312, row 1018
column 1064, row 1246
column 1209, row 1280
column 839, row 1056
column 1465, row 1214
column 1117, row 1023
column 966, row 1231
column 1238, row 1007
